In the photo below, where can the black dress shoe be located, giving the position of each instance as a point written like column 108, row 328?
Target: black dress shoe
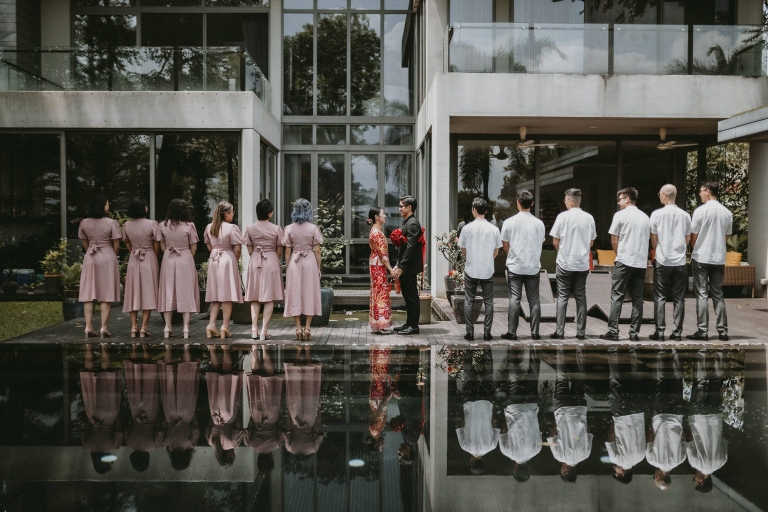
column 469, row 337
column 487, row 337
column 657, row 337
column 676, row 337
column 698, row 336
column 634, row 337
column 610, row 337
column 556, row 336
column 534, row 337
column 581, row 337
column 509, row 336
column 723, row 337
column 408, row 330
column 399, row 328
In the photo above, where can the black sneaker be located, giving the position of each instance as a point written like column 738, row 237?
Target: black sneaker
column 699, row 336
column 676, row 337
column 610, row 337
column 723, row 337
column 487, row 337
column 535, row 337
column 509, row 336
column 656, row 337
column 634, row 337
column 469, row 337
column 556, row 336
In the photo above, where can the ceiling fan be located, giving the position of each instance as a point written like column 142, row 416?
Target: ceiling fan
column 663, row 146
column 524, row 144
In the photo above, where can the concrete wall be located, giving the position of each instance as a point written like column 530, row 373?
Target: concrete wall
column 758, row 212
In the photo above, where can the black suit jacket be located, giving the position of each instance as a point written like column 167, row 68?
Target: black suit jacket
column 409, row 254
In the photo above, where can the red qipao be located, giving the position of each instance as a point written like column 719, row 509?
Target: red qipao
column 380, row 313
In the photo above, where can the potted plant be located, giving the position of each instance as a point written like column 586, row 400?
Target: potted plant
column 425, row 299
column 448, row 245
column 736, row 247
column 54, row 259
column 70, row 279
column 331, row 255
column 202, row 280
column 9, row 283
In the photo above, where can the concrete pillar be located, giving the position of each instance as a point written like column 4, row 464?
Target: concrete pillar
column 436, row 24
column 441, row 190
column 749, row 12
column 758, row 212
column 55, row 31
column 276, row 57
column 436, row 464
column 248, row 196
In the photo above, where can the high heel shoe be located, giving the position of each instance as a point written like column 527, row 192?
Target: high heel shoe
column 254, row 333
column 225, row 333
column 185, row 332
column 143, row 333
column 103, row 333
column 264, row 336
column 307, row 334
column 211, row 332
column 167, row 332
column 134, row 331
column 300, row 334
column 91, row 334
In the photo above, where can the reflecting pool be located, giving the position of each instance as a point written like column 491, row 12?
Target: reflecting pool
column 332, row 428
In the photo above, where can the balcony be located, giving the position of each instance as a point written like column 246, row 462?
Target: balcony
column 604, row 49
column 132, row 69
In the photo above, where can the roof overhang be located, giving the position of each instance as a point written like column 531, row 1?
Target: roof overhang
column 750, row 126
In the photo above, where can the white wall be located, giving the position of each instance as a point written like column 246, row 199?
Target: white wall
column 758, row 212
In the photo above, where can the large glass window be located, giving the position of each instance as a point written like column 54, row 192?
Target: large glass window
column 397, row 88
column 330, row 185
column 366, row 64
column 298, row 181
column 298, row 64
column 398, row 182
column 365, row 191
column 332, row 64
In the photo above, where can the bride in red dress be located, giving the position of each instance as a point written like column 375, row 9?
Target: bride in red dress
column 380, row 314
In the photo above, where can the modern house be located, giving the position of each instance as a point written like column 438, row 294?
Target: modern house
column 356, row 102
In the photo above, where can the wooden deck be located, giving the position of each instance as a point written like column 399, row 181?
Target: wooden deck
column 747, row 318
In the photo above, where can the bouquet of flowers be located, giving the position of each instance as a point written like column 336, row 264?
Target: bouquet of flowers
column 398, row 239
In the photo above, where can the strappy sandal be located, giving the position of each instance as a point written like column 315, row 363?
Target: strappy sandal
column 307, row 334
column 211, row 332
column 143, row 333
column 167, row 332
column 134, row 332
column 91, row 334
column 104, row 334
column 254, row 333
column 264, row 336
column 300, row 334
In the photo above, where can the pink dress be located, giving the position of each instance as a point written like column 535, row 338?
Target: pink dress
column 178, row 289
column 141, row 277
column 225, row 390
column 302, row 278
column 101, row 400
column 179, row 385
column 264, row 281
column 223, row 274
column 100, row 278
column 302, row 396
column 264, row 398
column 142, row 381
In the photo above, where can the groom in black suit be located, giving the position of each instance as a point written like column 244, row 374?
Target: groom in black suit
column 409, row 265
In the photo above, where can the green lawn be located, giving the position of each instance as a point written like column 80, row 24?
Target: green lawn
column 22, row 317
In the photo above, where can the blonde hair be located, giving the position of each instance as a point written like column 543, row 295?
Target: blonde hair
column 218, row 216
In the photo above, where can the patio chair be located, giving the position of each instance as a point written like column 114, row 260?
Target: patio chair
column 547, row 300
column 599, row 298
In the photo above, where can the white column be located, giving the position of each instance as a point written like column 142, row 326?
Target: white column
column 436, row 24
column 248, row 196
column 436, row 465
column 276, row 57
column 758, row 211
column 441, row 189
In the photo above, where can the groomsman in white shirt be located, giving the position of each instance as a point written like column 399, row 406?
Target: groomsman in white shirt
column 670, row 234
column 522, row 236
column 572, row 235
column 630, row 231
column 710, row 227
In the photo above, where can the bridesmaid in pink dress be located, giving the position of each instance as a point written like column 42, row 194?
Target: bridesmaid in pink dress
column 178, row 290
column 304, row 427
column 141, row 277
column 265, row 394
column 224, row 240
column 264, row 281
column 142, row 381
column 302, row 273
column 225, row 390
column 100, row 277
column 179, row 387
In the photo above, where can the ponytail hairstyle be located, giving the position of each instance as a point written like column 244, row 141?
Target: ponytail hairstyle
column 218, row 216
column 372, row 213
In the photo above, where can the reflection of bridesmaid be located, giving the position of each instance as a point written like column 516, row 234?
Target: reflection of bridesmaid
column 103, row 432
column 179, row 384
column 381, row 392
column 225, row 390
column 304, row 428
column 265, row 393
column 144, row 434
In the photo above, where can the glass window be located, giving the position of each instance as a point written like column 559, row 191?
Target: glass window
column 364, row 134
column 237, row 3
column 115, row 166
column 398, row 135
column 330, row 185
column 607, row 11
column 102, row 49
column 297, row 134
column 477, row 11
column 201, row 168
column 171, row 29
column 366, row 64
column 298, row 181
column 699, row 12
column 297, row 4
column 331, row 135
column 360, row 253
column 396, row 5
column 170, row 3
column 365, row 191
column 397, row 89
column 538, row 11
column 373, row 5
column 331, row 4
column 103, row 3
column 298, row 64
column 397, row 173
column 30, row 198
column 332, row 64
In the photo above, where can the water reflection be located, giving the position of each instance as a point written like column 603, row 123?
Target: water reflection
column 265, row 427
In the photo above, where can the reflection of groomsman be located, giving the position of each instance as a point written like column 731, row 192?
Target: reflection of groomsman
column 670, row 234
column 477, row 432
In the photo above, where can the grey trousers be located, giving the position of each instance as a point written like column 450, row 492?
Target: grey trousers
column 572, row 281
column 470, row 288
column 515, row 282
column 669, row 281
column 708, row 283
column 623, row 277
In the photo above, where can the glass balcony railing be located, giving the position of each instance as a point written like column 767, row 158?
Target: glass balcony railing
column 132, row 69
column 604, row 49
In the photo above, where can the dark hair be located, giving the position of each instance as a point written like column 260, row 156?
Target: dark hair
column 138, row 208
column 630, row 193
column 225, row 458
column 706, row 485
column 99, row 465
column 178, row 211
column 575, row 194
column 712, row 186
column 409, row 201
column 477, row 466
column 265, row 462
column 569, row 477
column 406, row 459
column 96, row 210
column 180, row 458
column 521, row 472
column 372, row 213
column 480, row 205
column 625, row 478
column 525, row 198
column 139, row 461
column 263, row 209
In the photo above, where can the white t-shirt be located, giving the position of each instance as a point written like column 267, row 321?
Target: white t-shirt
column 573, row 443
column 480, row 238
column 478, row 436
column 671, row 225
column 711, row 222
column 629, row 447
column 522, row 441
column 708, row 451
column 667, row 451
column 575, row 229
column 633, row 228
column 525, row 235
